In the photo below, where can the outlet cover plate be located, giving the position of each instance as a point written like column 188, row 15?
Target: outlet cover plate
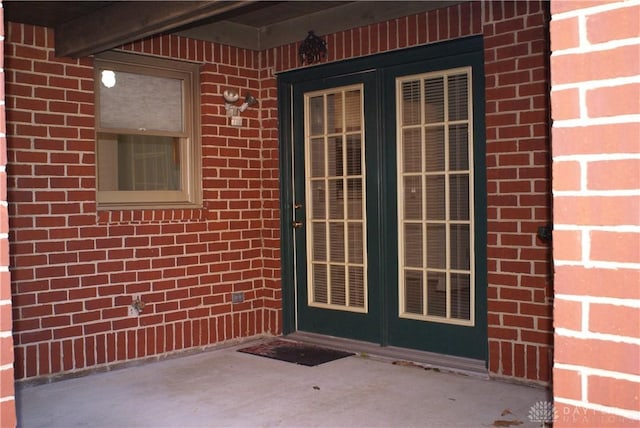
column 237, row 297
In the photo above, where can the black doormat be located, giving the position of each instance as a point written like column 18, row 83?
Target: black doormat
column 295, row 352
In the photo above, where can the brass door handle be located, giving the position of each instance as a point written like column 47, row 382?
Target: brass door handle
column 296, row 224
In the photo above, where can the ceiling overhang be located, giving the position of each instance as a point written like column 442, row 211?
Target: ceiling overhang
column 84, row 28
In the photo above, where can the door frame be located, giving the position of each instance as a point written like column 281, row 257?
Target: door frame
column 287, row 129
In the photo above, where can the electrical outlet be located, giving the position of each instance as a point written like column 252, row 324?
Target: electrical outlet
column 134, row 308
column 132, row 311
column 237, row 297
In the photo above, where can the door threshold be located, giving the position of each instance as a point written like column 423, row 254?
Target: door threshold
column 443, row 362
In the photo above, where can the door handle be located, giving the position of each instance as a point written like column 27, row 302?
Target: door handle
column 296, row 224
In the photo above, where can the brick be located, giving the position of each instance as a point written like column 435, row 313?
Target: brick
column 571, row 416
column 615, row 246
column 614, row 319
column 599, row 354
column 567, row 245
column 617, row 24
column 626, row 177
column 564, row 34
column 596, row 65
column 597, row 210
column 618, row 393
column 597, row 139
column 613, row 100
column 567, row 384
column 565, row 104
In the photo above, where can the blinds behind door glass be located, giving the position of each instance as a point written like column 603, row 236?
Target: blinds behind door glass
column 434, row 197
column 334, row 151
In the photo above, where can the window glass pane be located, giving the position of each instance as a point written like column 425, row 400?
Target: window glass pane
column 142, row 102
column 138, row 162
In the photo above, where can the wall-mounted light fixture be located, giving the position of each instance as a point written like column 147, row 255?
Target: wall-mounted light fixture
column 234, row 110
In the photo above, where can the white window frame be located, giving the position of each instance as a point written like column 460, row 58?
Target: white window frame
column 189, row 195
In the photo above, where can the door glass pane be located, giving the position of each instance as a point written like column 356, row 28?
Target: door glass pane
column 413, row 197
column 317, row 198
column 413, row 292
column 434, row 100
column 458, row 97
column 460, row 250
column 336, row 242
column 319, row 242
column 436, row 246
column 458, row 147
column 356, row 286
column 317, row 157
column 356, row 239
column 319, row 273
column 338, row 285
column 412, row 150
column 316, row 115
column 335, row 113
column 459, row 197
column 336, row 238
column 411, row 103
column 437, row 294
column 434, row 149
column 413, row 245
column 434, row 197
column 460, row 296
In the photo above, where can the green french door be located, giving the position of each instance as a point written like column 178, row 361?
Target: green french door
column 337, row 290
column 386, row 216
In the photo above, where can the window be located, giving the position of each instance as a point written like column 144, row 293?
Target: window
column 147, row 126
column 435, row 197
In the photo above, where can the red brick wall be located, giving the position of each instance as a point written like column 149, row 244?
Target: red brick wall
column 516, row 37
column 595, row 70
column 7, row 399
column 75, row 269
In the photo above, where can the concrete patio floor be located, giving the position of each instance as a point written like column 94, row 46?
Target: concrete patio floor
column 222, row 387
